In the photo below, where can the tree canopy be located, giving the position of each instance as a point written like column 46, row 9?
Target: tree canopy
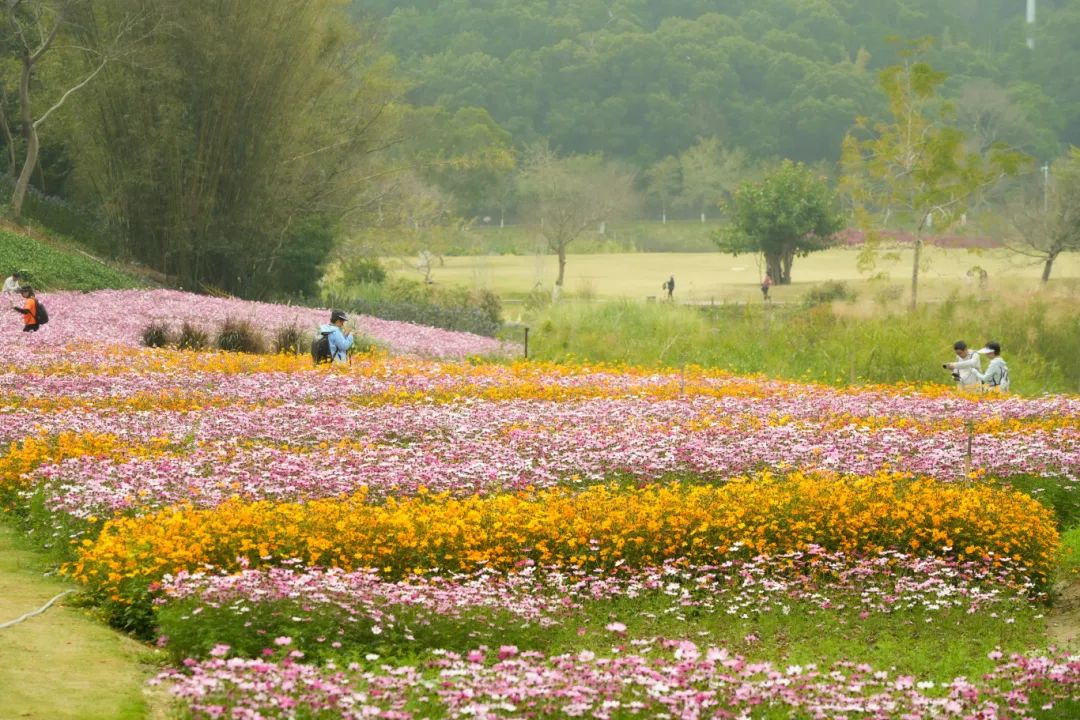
column 792, row 212
column 233, row 144
column 644, row 79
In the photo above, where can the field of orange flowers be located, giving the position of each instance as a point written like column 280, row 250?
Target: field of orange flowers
column 425, row 518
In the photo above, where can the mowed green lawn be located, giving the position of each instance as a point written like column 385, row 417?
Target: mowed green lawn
column 705, row 277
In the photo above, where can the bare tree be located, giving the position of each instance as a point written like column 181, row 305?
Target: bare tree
column 1049, row 222
column 564, row 197
column 5, row 128
column 34, row 27
column 710, row 173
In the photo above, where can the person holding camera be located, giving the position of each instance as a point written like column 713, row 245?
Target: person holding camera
column 340, row 338
column 966, row 369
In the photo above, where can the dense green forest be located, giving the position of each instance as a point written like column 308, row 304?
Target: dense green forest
column 642, row 79
column 236, row 144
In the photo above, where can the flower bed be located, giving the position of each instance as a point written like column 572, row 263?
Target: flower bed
column 596, row 527
column 415, row 510
column 677, row 679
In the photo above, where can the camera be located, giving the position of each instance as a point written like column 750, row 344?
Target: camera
column 956, row 376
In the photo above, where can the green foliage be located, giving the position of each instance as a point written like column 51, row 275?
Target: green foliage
column 916, row 163
column 939, row 645
column 364, row 270
column 792, row 212
column 450, row 307
column 299, row 265
column 643, row 80
column 232, row 145
column 827, row 292
column 57, row 265
column 59, row 218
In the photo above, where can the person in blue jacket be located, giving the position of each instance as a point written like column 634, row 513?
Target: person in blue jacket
column 340, row 338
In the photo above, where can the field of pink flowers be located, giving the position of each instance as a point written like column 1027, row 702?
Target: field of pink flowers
column 99, row 431
column 118, row 317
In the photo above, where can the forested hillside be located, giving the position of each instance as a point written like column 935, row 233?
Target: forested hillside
column 642, row 79
column 240, row 145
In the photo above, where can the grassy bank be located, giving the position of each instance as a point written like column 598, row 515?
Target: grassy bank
column 57, row 265
column 836, row 345
column 63, row 664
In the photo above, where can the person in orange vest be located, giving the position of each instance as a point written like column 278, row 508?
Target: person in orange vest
column 29, row 309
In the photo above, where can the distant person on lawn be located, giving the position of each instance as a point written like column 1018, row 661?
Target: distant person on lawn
column 766, row 283
column 996, row 376
column 340, row 338
column 29, row 309
column 11, row 285
column 669, row 285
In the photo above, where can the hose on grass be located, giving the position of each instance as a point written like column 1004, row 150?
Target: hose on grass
column 39, row 611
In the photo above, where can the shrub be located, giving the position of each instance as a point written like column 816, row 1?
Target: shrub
column 537, row 299
column 156, row 335
column 364, row 270
column 363, row 343
column 827, row 292
column 290, row 340
column 240, row 336
column 477, row 311
column 192, row 337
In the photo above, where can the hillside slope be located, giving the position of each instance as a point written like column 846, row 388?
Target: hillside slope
column 58, row 266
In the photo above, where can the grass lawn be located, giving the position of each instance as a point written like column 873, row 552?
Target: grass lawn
column 705, row 277
column 62, row 664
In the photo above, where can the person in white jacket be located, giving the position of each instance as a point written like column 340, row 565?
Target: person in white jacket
column 967, row 365
column 996, row 376
column 12, row 283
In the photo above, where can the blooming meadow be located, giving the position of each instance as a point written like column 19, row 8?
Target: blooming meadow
column 412, row 536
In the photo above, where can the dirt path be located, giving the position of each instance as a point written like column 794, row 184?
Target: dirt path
column 1063, row 624
column 63, row 664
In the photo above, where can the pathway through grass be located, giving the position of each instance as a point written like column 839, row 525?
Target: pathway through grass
column 62, row 664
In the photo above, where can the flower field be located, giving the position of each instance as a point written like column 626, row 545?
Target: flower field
column 414, row 536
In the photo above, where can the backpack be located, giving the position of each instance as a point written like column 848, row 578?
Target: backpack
column 42, row 315
column 320, row 349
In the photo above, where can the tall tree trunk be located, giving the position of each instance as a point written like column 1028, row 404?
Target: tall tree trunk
column 915, row 270
column 786, row 261
column 1047, row 266
column 9, row 139
column 30, row 161
column 562, row 270
column 23, row 182
column 773, row 267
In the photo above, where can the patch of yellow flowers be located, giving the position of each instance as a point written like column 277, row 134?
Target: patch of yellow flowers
column 600, row 527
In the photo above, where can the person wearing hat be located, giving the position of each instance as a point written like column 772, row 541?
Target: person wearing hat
column 967, row 365
column 340, row 338
column 996, row 376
